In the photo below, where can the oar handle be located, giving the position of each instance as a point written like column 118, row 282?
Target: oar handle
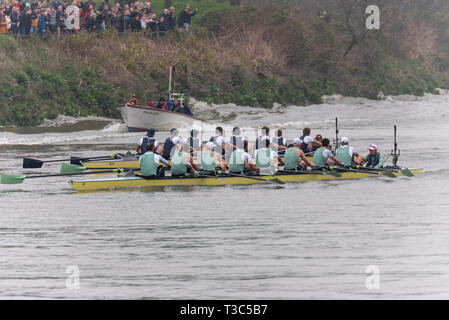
column 73, row 174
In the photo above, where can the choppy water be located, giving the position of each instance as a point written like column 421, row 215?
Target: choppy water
column 298, row 240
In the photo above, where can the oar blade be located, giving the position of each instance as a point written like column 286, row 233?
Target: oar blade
column 12, row 178
column 406, row 172
column 71, row 169
column 29, row 163
column 277, row 180
column 388, row 174
column 332, row 173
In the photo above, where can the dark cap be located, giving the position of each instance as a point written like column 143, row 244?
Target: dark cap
column 318, row 136
column 236, row 129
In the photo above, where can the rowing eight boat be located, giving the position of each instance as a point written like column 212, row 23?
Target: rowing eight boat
column 133, row 182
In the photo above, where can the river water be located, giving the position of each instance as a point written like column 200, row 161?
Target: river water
column 374, row 238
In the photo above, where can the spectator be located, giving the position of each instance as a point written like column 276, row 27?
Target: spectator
column 185, row 17
column 42, row 24
column 172, row 18
column 3, row 25
column 15, row 20
column 25, row 22
column 162, row 25
column 52, row 23
column 60, row 18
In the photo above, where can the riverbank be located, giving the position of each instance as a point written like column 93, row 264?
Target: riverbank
column 232, row 55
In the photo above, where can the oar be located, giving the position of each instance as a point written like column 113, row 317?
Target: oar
column 18, row 178
column 275, row 180
column 30, row 163
column 67, row 168
column 389, row 173
column 327, row 170
column 368, row 171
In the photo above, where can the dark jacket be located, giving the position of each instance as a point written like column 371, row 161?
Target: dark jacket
column 185, row 17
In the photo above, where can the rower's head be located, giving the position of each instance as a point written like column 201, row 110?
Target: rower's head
column 209, row 146
column 306, row 132
column 185, row 147
column 318, row 137
column 194, row 133
column 265, row 131
column 245, row 145
column 151, row 132
column 279, row 133
column 372, row 149
column 150, row 147
column 326, row 143
column 297, row 142
column 345, row 141
column 236, row 131
column 219, row 131
column 174, row 132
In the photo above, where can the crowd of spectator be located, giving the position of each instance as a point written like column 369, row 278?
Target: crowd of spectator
column 25, row 17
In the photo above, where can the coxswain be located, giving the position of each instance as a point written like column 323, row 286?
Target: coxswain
column 240, row 160
column 149, row 163
column 182, row 161
column 307, row 141
column 317, row 143
column 169, row 145
column 266, row 158
column 209, row 160
column 347, row 154
column 194, row 142
column 374, row 159
column 141, row 147
column 323, row 155
column 133, row 100
column 219, row 141
column 295, row 159
column 281, row 143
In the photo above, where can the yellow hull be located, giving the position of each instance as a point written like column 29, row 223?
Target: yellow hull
column 133, row 182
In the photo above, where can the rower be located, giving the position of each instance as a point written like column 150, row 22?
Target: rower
column 141, row 147
column 236, row 140
column 317, row 143
column 194, row 142
column 374, row 159
column 266, row 158
column 348, row 154
column 295, row 159
column 182, row 161
column 169, row 145
column 133, row 100
column 240, row 160
column 265, row 136
column 149, row 163
column 323, row 155
column 219, row 141
column 307, row 140
column 208, row 160
column 281, row 142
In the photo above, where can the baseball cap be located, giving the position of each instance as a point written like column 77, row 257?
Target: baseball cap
column 372, row 147
column 297, row 141
column 210, row 145
column 318, row 136
column 345, row 140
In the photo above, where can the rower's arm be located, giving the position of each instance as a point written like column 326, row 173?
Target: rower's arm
column 163, row 160
column 194, row 165
column 337, row 161
column 138, row 150
column 302, row 156
column 381, row 162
